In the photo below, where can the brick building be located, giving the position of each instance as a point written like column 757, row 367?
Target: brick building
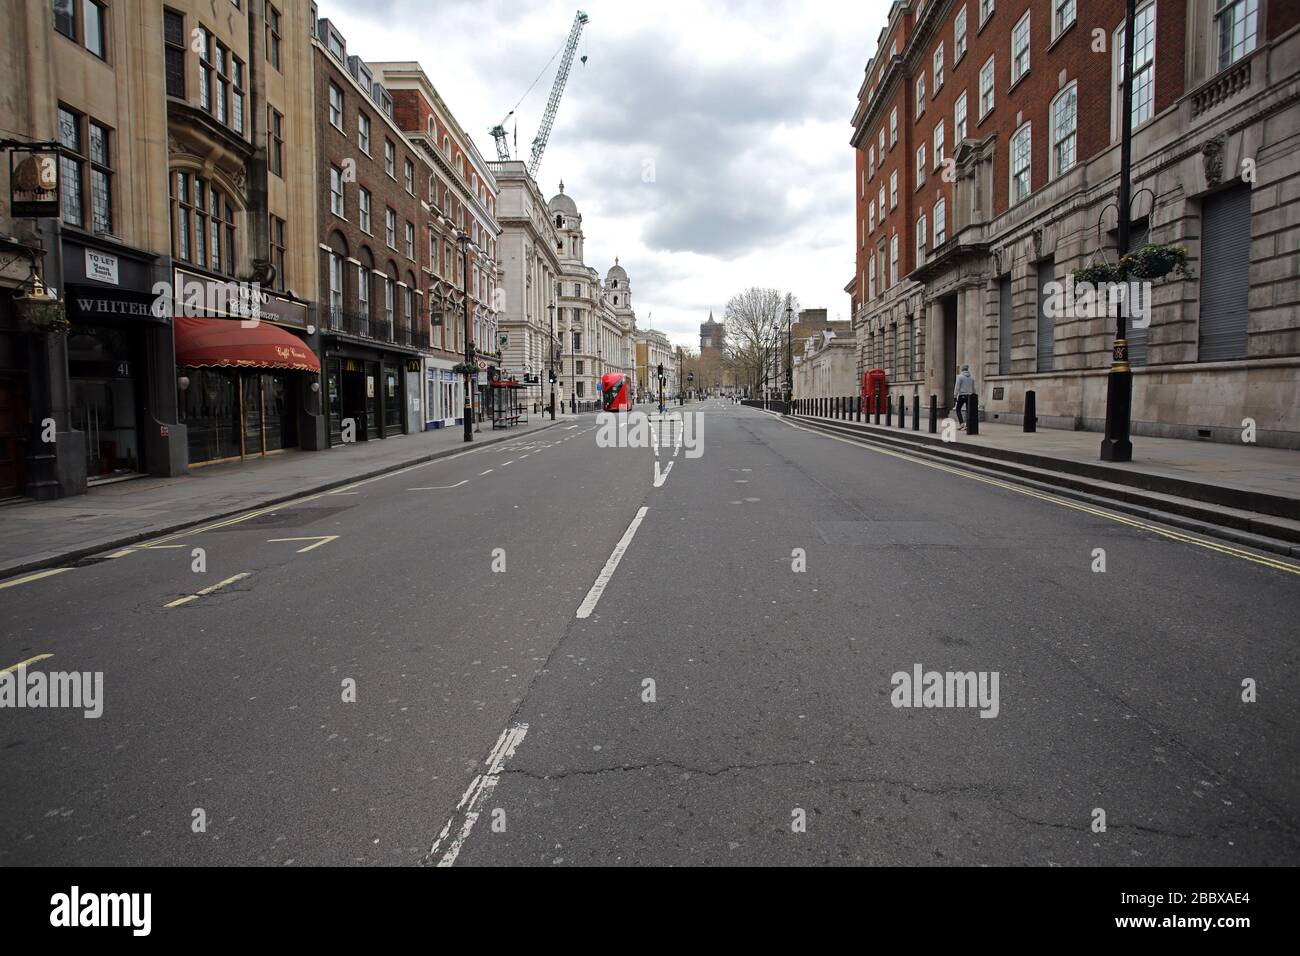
column 373, row 242
column 987, row 158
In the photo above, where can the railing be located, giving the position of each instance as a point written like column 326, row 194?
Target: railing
column 1222, row 87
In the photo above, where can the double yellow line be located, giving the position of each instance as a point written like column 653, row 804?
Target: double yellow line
column 1277, row 564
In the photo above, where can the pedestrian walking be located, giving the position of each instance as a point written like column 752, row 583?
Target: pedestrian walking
column 963, row 388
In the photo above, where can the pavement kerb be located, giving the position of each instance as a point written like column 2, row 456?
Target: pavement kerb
column 56, row 560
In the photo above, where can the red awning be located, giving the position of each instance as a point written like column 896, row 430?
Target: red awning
column 226, row 343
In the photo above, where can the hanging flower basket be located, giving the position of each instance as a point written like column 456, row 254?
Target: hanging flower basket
column 1099, row 273
column 465, row 368
column 40, row 314
column 1154, row 261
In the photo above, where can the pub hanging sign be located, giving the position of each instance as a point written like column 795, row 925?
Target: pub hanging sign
column 33, row 184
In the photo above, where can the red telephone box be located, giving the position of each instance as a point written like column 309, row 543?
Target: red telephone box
column 613, row 392
column 875, row 390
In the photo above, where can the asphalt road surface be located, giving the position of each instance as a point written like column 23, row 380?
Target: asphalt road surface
column 563, row 653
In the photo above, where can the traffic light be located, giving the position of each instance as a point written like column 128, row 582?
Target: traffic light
column 661, row 369
column 551, row 376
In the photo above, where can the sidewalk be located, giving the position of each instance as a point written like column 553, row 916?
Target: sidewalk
column 36, row 535
column 1245, row 487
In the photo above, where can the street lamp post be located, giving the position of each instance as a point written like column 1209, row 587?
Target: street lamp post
column 789, row 352
column 573, row 370
column 462, row 238
column 551, row 358
column 1116, row 446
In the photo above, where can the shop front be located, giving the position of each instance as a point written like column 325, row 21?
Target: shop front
column 444, row 400
column 120, row 362
column 248, row 387
column 241, row 388
column 366, row 392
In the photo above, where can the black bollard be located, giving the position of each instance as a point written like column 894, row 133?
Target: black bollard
column 858, row 405
column 916, row 413
column 876, row 400
column 902, row 412
column 889, row 413
column 1031, row 411
column 973, row 426
column 934, row 414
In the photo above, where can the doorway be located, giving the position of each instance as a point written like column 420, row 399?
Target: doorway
column 949, row 363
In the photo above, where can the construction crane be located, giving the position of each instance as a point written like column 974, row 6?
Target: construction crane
column 553, row 104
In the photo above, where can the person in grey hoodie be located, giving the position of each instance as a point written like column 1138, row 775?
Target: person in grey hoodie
column 964, row 388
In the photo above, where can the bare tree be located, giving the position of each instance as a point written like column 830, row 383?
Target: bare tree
column 755, row 321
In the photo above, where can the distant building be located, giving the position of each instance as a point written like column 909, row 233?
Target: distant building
column 713, row 335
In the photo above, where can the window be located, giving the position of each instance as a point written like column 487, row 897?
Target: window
column 986, row 10
column 85, row 169
column 389, row 288
column 1019, row 163
column 363, row 132
column 277, row 251
column 408, row 303
column 408, row 169
column 871, row 217
column 221, row 82
column 336, row 191
column 880, row 203
column 1237, row 22
column 940, row 222
column 1062, row 16
column 986, row 88
column 938, row 144
column 273, row 36
column 959, row 36
column 390, row 227
column 920, row 94
column 173, row 51
column 871, row 277
column 203, row 223
column 71, row 167
column 938, row 69
column 881, row 139
column 363, row 208
column 893, row 190
column 1046, row 323
column 85, row 27
column 920, row 240
column 363, row 290
column 959, row 118
column 1020, row 49
column 1004, row 325
column 1143, row 65
column 920, row 165
column 410, row 241
column 1063, row 113
column 871, row 163
column 336, row 285
column 893, row 259
column 893, row 127
column 336, row 107
column 275, row 141
column 390, row 158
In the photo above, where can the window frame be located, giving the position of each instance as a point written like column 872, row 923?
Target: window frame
column 1055, row 169
column 991, row 66
column 336, row 110
column 1026, row 49
column 1025, row 128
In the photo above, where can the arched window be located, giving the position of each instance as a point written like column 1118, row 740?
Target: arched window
column 203, row 223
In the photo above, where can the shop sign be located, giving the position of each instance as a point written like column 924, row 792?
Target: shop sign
column 101, row 267
column 33, row 184
column 93, row 304
column 413, row 365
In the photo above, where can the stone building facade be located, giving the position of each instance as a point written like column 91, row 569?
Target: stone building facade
column 987, row 149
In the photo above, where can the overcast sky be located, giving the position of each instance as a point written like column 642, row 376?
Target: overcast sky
column 736, row 111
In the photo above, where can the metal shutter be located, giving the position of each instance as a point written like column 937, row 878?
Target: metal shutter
column 1225, row 274
column 1004, row 325
column 1046, row 324
column 1137, row 338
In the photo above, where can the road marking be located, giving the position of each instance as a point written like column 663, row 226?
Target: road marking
column 488, row 472
column 343, row 492
column 32, row 577
column 660, row 478
column 479, row 790
column 208, row 590
column 30, row 660
column 589, row 602
column 440, row 487
column 510, row 462
column 522, row 457
column 319, row 539
column 1276, row 564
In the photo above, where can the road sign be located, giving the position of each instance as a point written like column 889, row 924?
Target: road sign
column 482, row 364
